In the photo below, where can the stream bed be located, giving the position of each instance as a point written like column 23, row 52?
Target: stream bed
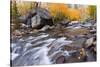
column 54, row 46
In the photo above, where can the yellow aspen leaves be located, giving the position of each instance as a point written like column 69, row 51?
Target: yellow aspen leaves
column 74, row 14
column 56, row 8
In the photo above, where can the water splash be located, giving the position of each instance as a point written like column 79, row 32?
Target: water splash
column 36, row 49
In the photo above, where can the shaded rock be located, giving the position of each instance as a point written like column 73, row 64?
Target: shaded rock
column 45, row 28
column 93, row 31
column 44, row 18
column 90, row 56
column 60, row 60
column 42, row 12
column 75, row 54
column 64, row 23
column 37, row 18
column 23, row 19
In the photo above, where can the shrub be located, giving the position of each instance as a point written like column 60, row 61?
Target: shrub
column 92, row 11
column 58, row 11
column 74, row 14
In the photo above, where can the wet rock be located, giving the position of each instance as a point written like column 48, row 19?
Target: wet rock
column 77, row 56
column 65, row 23
column 78, row 31
column 79, row 43
column 90, row 56
column 87, row 25
column 91, row 47
column 72, row 60
column 16, row 32
column 69, row 48
column 92, row 21
column 95, row 25
column 45, row 28
column 90, row 24
column 60, row 60
column 93, row 31
column 59, row 56
column 73, row 33
column 89, row 42
column 75, row 53
column 94, row 43
column 54, row 55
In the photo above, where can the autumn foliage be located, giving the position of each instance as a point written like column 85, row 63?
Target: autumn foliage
column 24, row 7
column 92, row 11
column 58, row 8
column 74, row 14
column 70, row 13
column 58, row 11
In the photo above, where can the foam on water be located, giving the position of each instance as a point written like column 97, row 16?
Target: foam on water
column 44, row 35
column 38, row 54
column 66, row 53
column 44, row 59
column 28, row 44
column 13, row 45
column 40, row 37
column 31, row 37
column 61, row 42
column 49, row 40
column 14, row 55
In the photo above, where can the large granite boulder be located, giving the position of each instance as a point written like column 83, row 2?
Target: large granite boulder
column 37, row 18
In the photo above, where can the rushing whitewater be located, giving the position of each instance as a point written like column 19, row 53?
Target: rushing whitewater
column 34, row 50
